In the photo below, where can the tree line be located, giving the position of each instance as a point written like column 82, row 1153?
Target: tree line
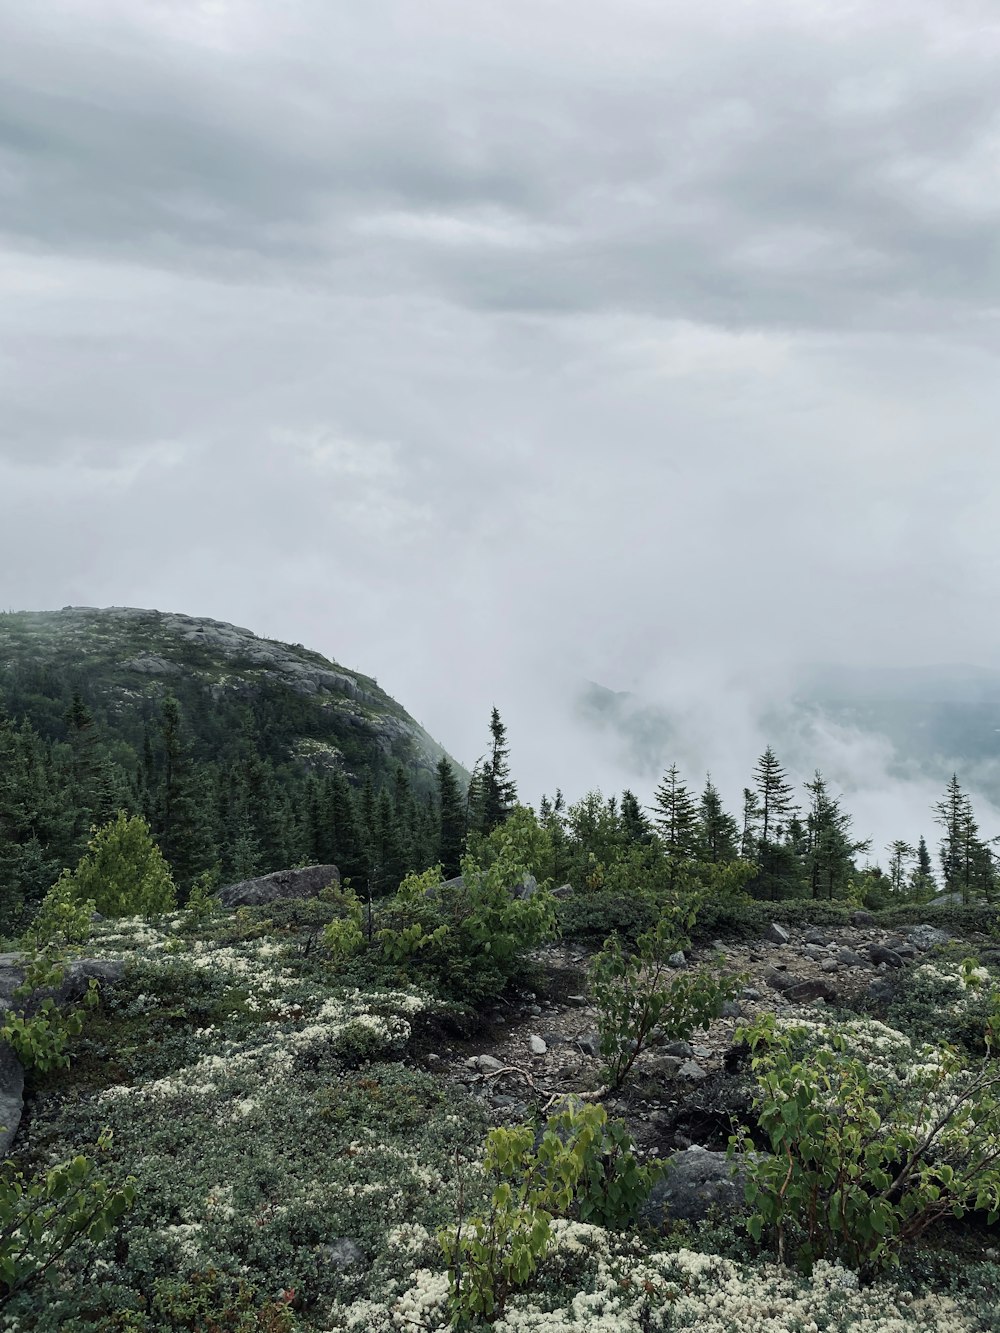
column 253, row 808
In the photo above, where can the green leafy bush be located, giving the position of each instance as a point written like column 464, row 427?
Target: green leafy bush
column 580, row 1166
column 42, row 1218
column 640, row 995
column 122, row 871
column 470, row 937
column 861, row 1162
column 62, row 917
column 39, row 1035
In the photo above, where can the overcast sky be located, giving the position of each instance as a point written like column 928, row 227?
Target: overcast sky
column 492, row 345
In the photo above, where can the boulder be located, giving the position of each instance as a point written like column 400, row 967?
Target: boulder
column 926, row 937
column 848, row 958
column 305, row 883
column 777, row 934
column 782, row 981
column 861, row 918
column 878, row 953
column 563, row 891
column 11, row 1096
column 77, row 976
column 805, row 991
column 819, row 937
column 695, row 1182
column 677, row 959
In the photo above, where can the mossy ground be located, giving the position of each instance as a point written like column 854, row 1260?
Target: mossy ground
column 269, row 1106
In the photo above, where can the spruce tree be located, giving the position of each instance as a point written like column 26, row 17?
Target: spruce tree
column 451, row 820
column 779, row 870
column 499, row 791
column 675, row 817
column 718, row 831
column 829, row 850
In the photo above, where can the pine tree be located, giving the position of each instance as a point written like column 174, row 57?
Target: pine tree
column 829, row 850
column 718, row 831
column 499, row 791
column 675, row 817
column 779, row 868
column 965, row 861
column 900, row 856
column 923, row 885
column 774, row 796
column 635, row 825
column 451, row 820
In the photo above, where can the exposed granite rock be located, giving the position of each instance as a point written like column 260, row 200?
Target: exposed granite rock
column 696, row 1182
column 11, row 1096
column 305, row 883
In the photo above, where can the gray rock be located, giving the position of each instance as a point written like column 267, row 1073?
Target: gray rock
column 684, row 1049
column 677, row 959
column 343, row 1254
column 819, row 937
column 696, row 1182
column 848, row 958
column 537, row 1046
column 805, row 991
column 590, row 1044
column 878, row 953
column 690, row 1069
column 829, row 965
column 77, row 976
column 861, row 918
column 280, row 884
column 903, row 947
column 731, row 1009
column 487, row 1064
column 777, row 934
column 926, row 937
column 11, row 1096
column 782, row 981
column 751, row 993
column 814, row 952
column 663, row 1066
column 579, row 1000
column 525, row 890
column 563, row 891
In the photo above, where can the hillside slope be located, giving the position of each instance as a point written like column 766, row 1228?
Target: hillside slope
column 123, row 659
column 243, row 754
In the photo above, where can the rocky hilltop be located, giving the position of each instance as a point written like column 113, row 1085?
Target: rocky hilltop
column 120, row 655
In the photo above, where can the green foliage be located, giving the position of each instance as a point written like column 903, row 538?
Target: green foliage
column 343, row 936
column 40, row 1034
column 62, row 918
column 639, row 995
column 580, row 1166
column 202, row 902
column 123, row 871
column 42, row 1218
column 471, row 936
column 860, row 1164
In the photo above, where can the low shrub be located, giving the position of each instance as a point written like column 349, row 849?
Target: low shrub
column 580, row 1166
column 861, row 1160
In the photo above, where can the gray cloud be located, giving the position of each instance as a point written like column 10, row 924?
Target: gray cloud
column 494, row 346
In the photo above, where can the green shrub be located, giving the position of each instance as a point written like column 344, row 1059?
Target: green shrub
column 122, row 871
column 943, row 1001
column 41, row 1219
column 860, row 1163
column 62, row 918
column 580, row 1166
column 471, row 938
column 639, row 995
column 595, row 914
column 39, row 1036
